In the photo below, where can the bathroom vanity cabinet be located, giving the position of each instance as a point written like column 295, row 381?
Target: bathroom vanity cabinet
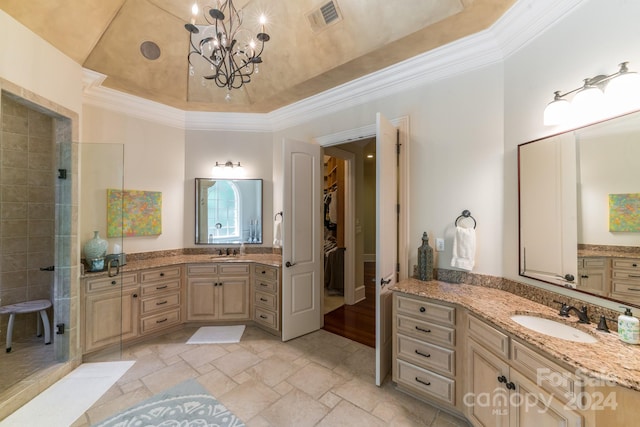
column 625, row 279
column 593, row 275
column 148, row 301
column 508, row 384
column 424, row 348
column 110, row 310
column 160, row 298
column 266, row 298
column 218, row 291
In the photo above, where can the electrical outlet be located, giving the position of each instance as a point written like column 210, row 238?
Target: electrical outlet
column 439, row 244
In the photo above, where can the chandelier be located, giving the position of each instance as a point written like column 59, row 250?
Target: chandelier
column 227, row 50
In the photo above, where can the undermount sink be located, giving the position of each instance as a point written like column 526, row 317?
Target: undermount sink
column 553, row 328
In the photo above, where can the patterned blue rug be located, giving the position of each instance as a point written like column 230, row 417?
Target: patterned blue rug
column 186, row 405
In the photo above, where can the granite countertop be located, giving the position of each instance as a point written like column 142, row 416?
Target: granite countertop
column 586, row 253
column 608, row 359
column 274, row 260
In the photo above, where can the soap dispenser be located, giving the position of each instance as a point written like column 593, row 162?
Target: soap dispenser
column 628, row 327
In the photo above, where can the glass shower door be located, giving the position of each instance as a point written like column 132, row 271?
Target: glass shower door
column 109, row 300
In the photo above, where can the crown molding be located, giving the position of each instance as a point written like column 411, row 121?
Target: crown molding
column 522, row 23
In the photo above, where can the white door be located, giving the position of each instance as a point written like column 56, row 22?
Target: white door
column 301, row 239
column 386, row 239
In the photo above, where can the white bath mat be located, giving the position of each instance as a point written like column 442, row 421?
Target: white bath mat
column 217, row 335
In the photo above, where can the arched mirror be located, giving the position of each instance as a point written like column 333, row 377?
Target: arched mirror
column 579, row 195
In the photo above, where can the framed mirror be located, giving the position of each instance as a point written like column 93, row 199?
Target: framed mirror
column 228, row 211
column 579, row 209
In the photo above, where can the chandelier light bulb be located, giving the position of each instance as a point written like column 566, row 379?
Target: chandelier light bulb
column 194, row 9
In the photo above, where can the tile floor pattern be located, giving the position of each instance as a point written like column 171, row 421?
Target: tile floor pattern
column 27, row 356
column 320, row 379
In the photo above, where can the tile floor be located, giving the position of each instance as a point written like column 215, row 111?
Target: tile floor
column 27, row 356
column 320, row 379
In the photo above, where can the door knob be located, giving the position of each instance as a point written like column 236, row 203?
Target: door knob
column 384, row 283
column 289, row 264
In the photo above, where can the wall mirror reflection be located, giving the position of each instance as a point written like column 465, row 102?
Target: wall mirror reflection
column 228, row 211
column 579, row 195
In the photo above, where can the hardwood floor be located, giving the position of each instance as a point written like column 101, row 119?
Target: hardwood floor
column 357, row 322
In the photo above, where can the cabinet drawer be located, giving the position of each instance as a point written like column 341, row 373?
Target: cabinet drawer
column 265, row 317
column 233, row 269
column 597, row 263
column 425, row 355
column 426, row 331
column 266, row 300
column 426, row 382
column 265, row 272
column 159, row 274
column 553, row 378
column 160, row 321
column 109, row 283
column 627, row 276
column 160, row 303
column 202, row 269
column 161, row 287
column 491, row 338
column 627, row 264
column 425, row 310
column 627, row 287
column 266, row 286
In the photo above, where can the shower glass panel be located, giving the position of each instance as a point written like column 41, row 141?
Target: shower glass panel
column 109, row 305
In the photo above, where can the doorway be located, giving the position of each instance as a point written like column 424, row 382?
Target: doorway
column 349, row 306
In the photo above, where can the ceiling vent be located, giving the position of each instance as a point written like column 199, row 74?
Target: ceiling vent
column 325, row 16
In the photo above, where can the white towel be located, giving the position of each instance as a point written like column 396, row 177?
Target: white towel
column 464, row 248
column 277, row 240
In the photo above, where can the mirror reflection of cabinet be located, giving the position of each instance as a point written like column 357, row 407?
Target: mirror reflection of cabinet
column 566, row 183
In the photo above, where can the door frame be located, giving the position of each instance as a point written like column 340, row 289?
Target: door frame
column 369, row 131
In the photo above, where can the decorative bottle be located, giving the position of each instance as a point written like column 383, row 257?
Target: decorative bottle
column 94, row 252
column 425, row 259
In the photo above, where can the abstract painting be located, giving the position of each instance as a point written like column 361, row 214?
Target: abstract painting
column 134, row 213
column 624, row 212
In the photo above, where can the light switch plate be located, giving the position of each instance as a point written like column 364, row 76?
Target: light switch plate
column 439, row 244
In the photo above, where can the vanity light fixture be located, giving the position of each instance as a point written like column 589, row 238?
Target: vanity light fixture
column 598, row 94
column 228, row 169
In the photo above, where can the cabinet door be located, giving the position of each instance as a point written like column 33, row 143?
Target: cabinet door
column 110, row 318
column 201, row 301
column 486, row 399
column 233, row 296
column 533, row 407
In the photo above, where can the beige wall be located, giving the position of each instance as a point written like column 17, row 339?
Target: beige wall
column 154, row 160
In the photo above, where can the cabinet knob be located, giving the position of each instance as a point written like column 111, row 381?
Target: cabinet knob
column 511, row 386
column 422, row 309
column 161, row 274
column 135, row 295
column 113, row 282
column 502, row 379
column 634, row 265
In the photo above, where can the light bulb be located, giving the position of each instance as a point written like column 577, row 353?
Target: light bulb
column 194, row 9
column 623, row 91
column 263, row 19
column 587, row 104
column 557, row 111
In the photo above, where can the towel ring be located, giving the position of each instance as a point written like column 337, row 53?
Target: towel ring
column 466, row 214
column 275, row 218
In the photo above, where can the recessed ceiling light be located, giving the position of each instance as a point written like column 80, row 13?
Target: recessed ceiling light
column 150, row 50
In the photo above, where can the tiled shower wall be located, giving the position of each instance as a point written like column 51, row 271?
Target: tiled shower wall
column 27, row 210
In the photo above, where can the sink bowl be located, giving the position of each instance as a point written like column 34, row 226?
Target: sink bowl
column 553, row 328
column 223, row 258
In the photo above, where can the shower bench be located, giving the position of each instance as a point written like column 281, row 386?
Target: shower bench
column 39, row 305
